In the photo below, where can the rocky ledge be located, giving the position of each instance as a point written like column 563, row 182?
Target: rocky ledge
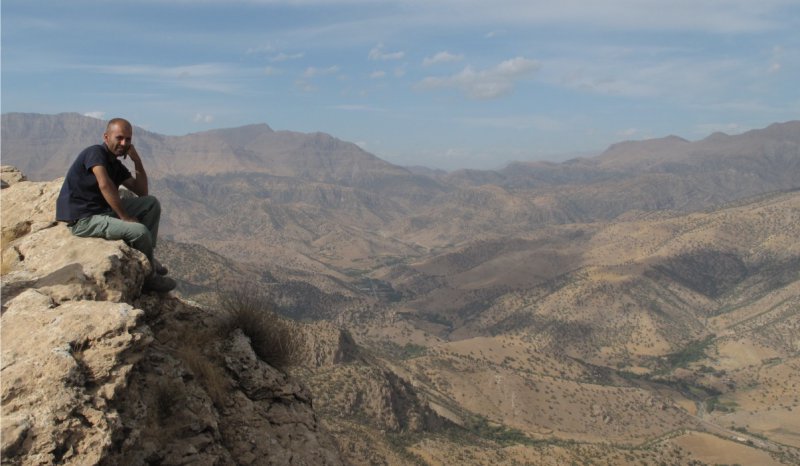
column 94, row 372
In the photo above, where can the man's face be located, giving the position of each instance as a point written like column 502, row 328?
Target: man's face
column 118, row 138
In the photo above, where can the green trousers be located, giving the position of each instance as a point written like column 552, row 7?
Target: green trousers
column 141, row 236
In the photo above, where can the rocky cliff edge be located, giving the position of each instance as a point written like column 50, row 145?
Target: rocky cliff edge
column 94, row 372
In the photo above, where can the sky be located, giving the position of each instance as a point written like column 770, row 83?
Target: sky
column 439, row 83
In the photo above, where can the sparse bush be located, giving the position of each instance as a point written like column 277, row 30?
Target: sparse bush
column 274, row 339
column 210, row 375
column 694, row 351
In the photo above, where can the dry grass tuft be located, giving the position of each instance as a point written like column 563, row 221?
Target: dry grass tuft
column 210, row 374
column 275, row 339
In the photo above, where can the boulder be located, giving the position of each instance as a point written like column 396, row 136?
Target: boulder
column 10, row 175
column 40, row 253
column 63, row 365
column 96, row 373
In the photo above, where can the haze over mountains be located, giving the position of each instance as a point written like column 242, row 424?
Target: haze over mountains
column 295, row 190
column 648, row 297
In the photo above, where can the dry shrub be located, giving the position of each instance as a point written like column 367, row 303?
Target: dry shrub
column 209, row 373
column 198, row 349
column 274, row 339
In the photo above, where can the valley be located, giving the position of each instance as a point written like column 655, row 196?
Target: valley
column 639, row 307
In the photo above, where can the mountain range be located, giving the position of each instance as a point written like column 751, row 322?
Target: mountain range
column 248, row 191
column 641, row 305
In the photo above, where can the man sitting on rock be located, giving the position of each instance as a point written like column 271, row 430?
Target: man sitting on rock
column 90, row 202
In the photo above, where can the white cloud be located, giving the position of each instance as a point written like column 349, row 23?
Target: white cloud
column 202, row 76
column 312, row 71
column 377, row 53
column 272, row 71
column 201, row 118
column 377, row 74
column 628, row 15
column 728, row 128
column 97, row 114
column 286, row 57
column 718, row 16
column 485, row 84
column 442, row 57
column 650, row 72
column 304, row 86
column 260, row 49
column 495, row 34
column 356, row 108
column 776, row 62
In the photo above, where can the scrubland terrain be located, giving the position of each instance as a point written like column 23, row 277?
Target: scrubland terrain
column 640, row 307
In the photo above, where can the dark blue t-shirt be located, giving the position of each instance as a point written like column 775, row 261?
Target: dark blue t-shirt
column 80, row 195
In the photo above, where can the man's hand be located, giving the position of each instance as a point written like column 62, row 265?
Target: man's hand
column 138, row 183
column 133, row 154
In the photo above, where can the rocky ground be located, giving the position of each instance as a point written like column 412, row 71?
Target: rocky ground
column 95, row 372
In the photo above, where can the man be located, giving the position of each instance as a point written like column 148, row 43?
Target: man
column 90, row 202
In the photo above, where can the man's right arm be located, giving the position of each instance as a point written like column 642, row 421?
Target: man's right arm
column 110, row 193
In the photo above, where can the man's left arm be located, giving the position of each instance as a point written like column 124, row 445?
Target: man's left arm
column 137, row 183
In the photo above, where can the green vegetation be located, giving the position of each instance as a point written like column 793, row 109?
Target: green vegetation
column 411, row 351
column 407, row 351
column 715, row 404
column 747, row 432
column 437, row 319
column 499, row 433
column 694, row 351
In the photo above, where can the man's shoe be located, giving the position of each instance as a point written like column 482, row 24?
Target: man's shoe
column 159, row 284
column 159, row 268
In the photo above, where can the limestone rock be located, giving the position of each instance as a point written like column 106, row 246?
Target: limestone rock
column 202, row 396
column 10, row 175
column 327, row 345
column 96, row 373
column 362, row 386
column 39, row 253
column 62, row 367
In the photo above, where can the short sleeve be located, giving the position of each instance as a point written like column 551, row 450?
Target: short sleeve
column 94, row 158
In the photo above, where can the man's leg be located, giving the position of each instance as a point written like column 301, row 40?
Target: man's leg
column 105, row 226
column 135, row 234
column 148, row 210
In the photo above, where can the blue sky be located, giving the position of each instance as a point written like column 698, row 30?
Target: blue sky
column 441, row 83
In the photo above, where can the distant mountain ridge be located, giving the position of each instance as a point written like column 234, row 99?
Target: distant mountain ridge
column 30, row 138
column 43, row 146
column 273, row 196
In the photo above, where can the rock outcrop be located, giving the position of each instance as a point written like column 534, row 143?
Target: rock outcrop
column 94, row 372
column 362, row 386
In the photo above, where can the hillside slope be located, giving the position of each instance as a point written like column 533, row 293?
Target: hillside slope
column 312, row 202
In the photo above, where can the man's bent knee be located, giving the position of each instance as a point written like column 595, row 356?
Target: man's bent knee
column 140, row 205
column 128, row 231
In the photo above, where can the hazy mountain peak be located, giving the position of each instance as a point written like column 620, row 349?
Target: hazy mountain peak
column 645, row 144
column 645, row 152
column 717, row 136
column 240, row 133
